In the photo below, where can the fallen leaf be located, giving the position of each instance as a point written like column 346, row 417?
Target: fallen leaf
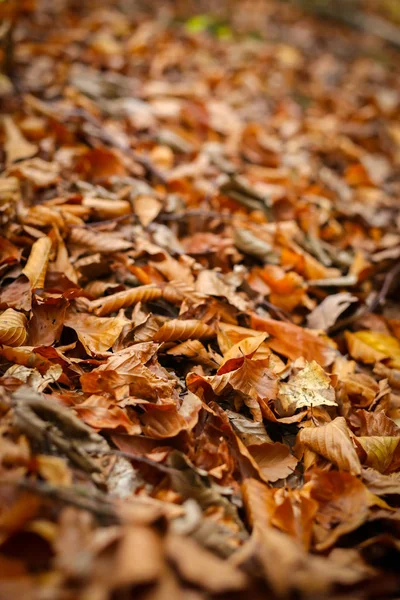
column 333, row 442
column 274, row 460
column 16, row 146
column 96, row 334
column 36, row 267
column 326, row 314
column 311, row 386
column 13, row 328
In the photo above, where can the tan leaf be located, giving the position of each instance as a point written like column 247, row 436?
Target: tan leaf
column 36, row 267
column 40, row 173
column 146, row 208
column 309, row 387
column 96, row 334
column 333, row 442
column 182, row 330
column 274, row 460
column 108, row 304
column 326, row 313
column 16, row 146
column 380, row 484
column 104, row 209
column 13, row 328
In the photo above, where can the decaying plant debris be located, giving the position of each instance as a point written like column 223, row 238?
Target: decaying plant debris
column 199, row 334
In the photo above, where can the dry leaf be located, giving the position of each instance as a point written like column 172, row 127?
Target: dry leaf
column 96, row 334
column 13, row 328
column 311, row 386
column 333, row 442
column 176, row 329
column 146, row 208
column 16, row 146
column 326, row 314
column 36, row 267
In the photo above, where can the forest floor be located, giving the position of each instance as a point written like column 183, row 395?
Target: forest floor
column 199, row 316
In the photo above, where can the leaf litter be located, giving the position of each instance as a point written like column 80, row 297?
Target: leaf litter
column 199, row 318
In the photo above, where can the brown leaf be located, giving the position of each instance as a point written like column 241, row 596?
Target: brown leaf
column 165, row 421
column 333, row 442
column 47, row 321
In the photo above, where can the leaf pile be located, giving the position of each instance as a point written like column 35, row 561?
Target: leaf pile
column 199, row 334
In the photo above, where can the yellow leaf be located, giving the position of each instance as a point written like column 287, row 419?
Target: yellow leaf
column 372, row 346
column 36, row 267
column 379, row 450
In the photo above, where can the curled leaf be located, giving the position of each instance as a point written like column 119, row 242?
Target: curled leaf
column 98, row 241
column 104, row 306
column 36, row 267
column 181, row 330
column 333, row 442
column 13, row 328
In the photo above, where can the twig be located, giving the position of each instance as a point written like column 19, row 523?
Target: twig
column 94, row 503
column 357, row 19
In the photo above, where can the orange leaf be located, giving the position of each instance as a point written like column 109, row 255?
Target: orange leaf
column 295, row 342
